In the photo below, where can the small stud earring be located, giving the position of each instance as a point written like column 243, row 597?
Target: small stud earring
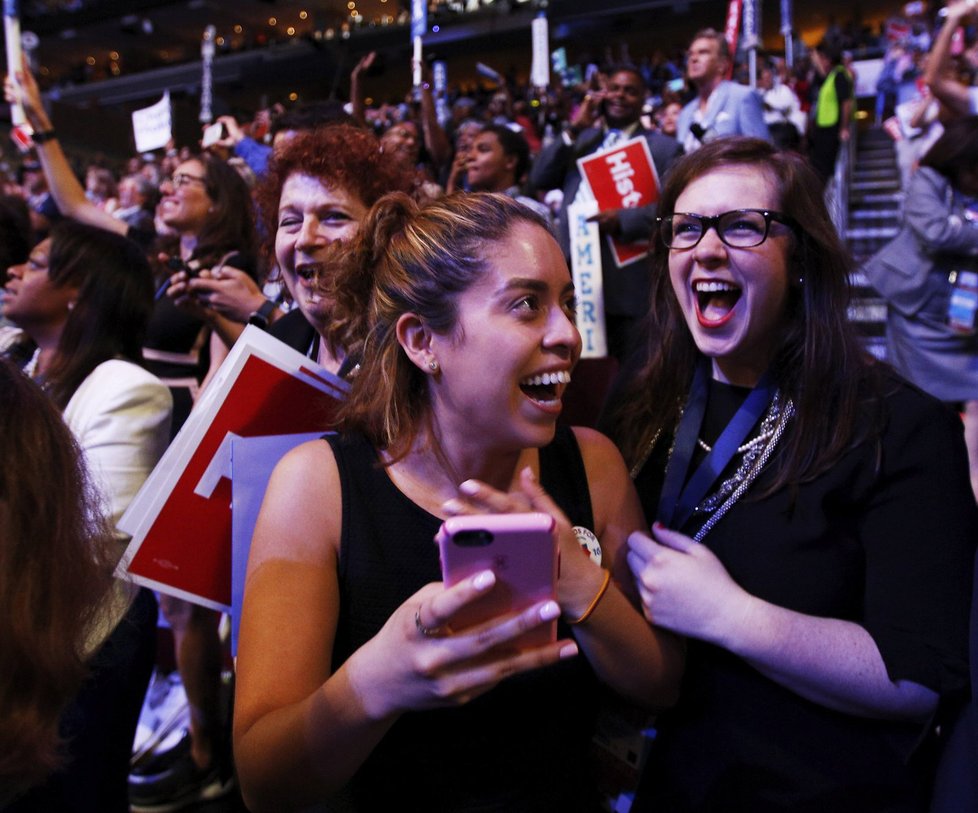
column 801, row 280
column 433, row 365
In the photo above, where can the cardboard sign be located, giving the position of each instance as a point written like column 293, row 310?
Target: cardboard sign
column 540, row 66
column 207, row 48
column 731, row 30
column 252, row 462
column 152, row 126
column 180, row 521
column 585, row 246
column 622, row 177
column 419, row 18
column 11, row 31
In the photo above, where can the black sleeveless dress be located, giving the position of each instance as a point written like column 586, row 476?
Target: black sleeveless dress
column 520, row 747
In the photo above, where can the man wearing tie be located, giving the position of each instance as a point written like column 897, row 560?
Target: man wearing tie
column 604, row 119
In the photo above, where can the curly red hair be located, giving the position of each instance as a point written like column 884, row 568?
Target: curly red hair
column 341, row 156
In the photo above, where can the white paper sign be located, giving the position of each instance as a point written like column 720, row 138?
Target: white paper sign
column 540, row 70
column 206, row 75
column 585, row 246
column 152, row 126
column 11, row 28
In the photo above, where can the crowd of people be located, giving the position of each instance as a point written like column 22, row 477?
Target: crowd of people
column 788, row 595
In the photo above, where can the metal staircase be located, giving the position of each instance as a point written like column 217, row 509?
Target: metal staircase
column 875, row 210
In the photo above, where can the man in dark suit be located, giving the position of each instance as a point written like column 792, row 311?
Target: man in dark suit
column 604, row 119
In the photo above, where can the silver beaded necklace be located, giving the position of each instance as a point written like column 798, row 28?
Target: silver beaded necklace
column 755, row 458
column 756, row 452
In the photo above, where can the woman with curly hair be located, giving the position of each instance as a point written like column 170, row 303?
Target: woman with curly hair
column 318, row 187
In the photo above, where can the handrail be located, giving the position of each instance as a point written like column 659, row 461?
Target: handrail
column 837, row 192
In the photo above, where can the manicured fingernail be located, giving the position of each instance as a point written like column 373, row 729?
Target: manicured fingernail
column 528, row 472
column 470, row 487
column 452, row 506
column 549, row 611
column 484, row 580
column 568, row 651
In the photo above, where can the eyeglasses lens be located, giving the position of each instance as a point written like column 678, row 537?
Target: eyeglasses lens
column 739, row 229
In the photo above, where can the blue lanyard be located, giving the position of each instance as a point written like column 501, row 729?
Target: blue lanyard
column 676, row 504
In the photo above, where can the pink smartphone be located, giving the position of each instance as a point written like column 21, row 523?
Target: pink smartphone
column 521, row 549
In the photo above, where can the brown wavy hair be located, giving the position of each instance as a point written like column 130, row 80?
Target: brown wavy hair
column 230, row 227
column 407, row 259
column 820, row 363
column 340, row 155
column 54, row 571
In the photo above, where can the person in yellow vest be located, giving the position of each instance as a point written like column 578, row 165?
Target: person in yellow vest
column 833, row 109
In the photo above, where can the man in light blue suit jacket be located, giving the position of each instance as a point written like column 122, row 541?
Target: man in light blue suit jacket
column 721, row 107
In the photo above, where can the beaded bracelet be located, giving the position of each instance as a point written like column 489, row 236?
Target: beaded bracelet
column 594, row 602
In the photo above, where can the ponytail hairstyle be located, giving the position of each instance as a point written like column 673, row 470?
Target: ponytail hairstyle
column 415, row 259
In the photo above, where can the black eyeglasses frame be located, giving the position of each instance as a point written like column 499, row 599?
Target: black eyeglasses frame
column 713, row 222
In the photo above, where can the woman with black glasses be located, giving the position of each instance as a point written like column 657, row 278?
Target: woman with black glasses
column 813, row 522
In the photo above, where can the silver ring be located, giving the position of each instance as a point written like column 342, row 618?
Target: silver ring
column 427, row 632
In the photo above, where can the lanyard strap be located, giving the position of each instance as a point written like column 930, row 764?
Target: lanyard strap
column 676, row 503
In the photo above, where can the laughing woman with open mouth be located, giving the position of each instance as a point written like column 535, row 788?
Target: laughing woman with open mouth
column 463, row 314
column 814, row 529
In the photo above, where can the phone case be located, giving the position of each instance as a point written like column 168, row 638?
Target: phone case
column 521, row 549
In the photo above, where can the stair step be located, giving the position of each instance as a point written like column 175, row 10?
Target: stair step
column 875, row 345
column 875, row 214
column 868, row 320
column 872, row 233
column 877, row 197
column 862, row 186
column 884, row 176
column 886, row 170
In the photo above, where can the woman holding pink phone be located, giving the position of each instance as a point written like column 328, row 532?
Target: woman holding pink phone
column 352, row 680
